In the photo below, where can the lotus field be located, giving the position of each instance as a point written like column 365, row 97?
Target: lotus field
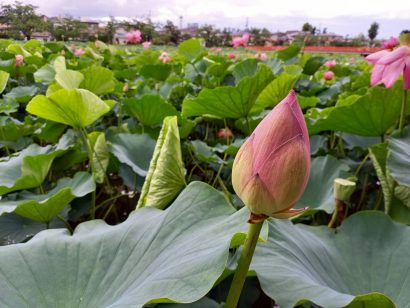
column 134, row 177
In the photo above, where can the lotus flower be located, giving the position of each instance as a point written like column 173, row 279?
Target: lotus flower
column 390, row 43
column 330, row 63
column 125, row 88
column 133, row 37
column 164, row 57
column 389, row 65
column 19, row 60
column 224, row 133
column 146, row 45
column 328, row 75
column 79, row 52
column 241, row 41
column 272, row 167
column 261, row 56
column 232, row 55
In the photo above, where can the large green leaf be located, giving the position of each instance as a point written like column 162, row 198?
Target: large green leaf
column 192, row 50
column 371, row 115
column 29, row 168
column 229, row 102
column 45, row 207
column 352, row 266
column 312, row 65
column 69, row 79
column 133, row 150
column 76, row 107
column 398, row 161
column 101, row 157
column 166, row 174
column 288, row 53
column 277, row 90
column 154, row 256
column 150, row 109
column 98, row 79
column 4, row 77
column 318, row 194
column 45, row 74
column 158, row 72
column 22, row 94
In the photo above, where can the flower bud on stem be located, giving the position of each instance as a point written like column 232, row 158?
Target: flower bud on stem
column 244, row 263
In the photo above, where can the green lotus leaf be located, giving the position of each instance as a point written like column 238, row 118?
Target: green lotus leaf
column 166, row 174
column 360, row 264
column 77, row 108
column 174, row 255
column 45, row 207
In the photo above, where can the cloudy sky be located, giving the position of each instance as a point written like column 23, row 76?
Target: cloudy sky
column 346, row 17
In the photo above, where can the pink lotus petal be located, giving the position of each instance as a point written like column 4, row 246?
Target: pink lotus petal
column 406, row 74
column 375, row 57
column 377, row 74
column 395, row 55
column 392, row 72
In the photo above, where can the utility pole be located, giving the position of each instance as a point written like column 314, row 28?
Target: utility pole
column 247, row 23
column 180, row 22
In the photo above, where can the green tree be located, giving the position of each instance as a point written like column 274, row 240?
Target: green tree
column 110, row 29
column 23, row 19
column 68, row 27
column 307, row 27
column 373, row 31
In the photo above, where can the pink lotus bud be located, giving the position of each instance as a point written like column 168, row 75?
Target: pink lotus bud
column 79, row 52
column 224, row 133
column 19, row 60
column 125, row 88
column 146, row 45
column 271, row 169
column 219, row 50
column 328, row 75
column 232, row 55
column 330, row 63
column 164, row 57
column 261, row 56
column 390, row 43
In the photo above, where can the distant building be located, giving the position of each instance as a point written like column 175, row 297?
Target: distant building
column 120, row 35
column 41, row 36
column 329, row 38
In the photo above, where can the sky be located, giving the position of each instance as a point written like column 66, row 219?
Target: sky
column 345, row 17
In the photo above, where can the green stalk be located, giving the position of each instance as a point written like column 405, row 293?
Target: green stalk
column 243, row 265
column 91, row 167
column 403, row 112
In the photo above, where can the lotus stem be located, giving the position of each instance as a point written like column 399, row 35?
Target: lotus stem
column 91, row 167
column 403, row 113
column 243, row 264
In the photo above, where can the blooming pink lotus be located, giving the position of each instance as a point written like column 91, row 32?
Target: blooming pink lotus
column 328, row 75
column 79, row 52
column 241, row 41
column 146, row 45
column 330, row 63
column 19, row 60
column 164, row 57
column 271, row 169
column 389, row 65
column 390, row 43
column 231, row 55
column 133, row 37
